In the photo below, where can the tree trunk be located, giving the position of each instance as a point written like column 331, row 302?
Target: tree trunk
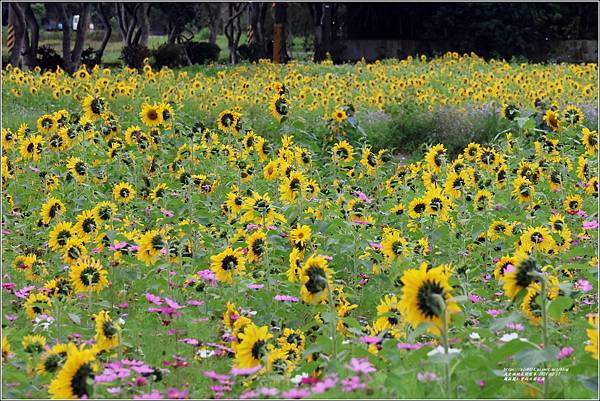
column 214, row 30
column 279, row 37
column 72, row 58
column 32, row 44
column 107, row 33
column 233, row 29
column 323, row 31
column 17, row 17
column 145, row 24
column 66, row 28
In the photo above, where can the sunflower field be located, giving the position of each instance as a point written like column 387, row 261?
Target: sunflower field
column 237, row 232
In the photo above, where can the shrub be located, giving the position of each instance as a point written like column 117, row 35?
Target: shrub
column 412, row 126
column 89, row 58
column 48, row 59
column 252, row 52
column 169, row 55
column 202, row 52
column 133, row 56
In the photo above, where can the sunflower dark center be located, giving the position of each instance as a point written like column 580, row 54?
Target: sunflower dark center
column 52, row 362
column 124, row 192
column 281, row 106
column 89, row 276
column 30, row 147
column 537, row 237
column 398, row 247
column 56, row 141
column 259, row 350
column 62, row 237
column 229, row 262
column 54, row 209
column 436, row 204
column 394, row 319
column 97, row 106
column 105, row 213
column 158, row 242
column 89, row 225
column 258, row 247
column 80, row 168
column 574, row 205
column 295, row 184
column 109, row 329
column 523, row 272
column 79, row 381
column 317, row 280
column 279, row 366
column 342, row 153
column 152, row 115
column 371, row 160
column 261, row 206
column 227, row 120
column 419, row 208
column 74, row 252
column 426, row 301
column 294, row 339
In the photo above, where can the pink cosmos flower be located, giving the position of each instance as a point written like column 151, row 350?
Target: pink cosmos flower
column 361, row 365
column 494, row 312
column 474, row 298
column 245, row 371
column 296, row 393
column 409, row 346
column 564, row 352
column 583, row 286
column 590, row 225
column 155, row 299
column 286, row 298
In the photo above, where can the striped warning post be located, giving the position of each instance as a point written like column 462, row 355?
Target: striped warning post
column 10, row 38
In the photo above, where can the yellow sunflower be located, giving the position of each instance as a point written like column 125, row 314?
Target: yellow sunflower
column 124, row 192
column 93, row 107
column 520, row 275
column 253, row 346
column 435, row 157
column 151, row 115
column 32, row 147
column 315, row 277
column 47, row 124
column 394, row 245
column 34, row 344
column 88, row 275
column 73, row 379
column 291, row 187
column 37, row 304
column 342, row 152
column 53, row 359
column 256, row 244
column 52, row 209
column 77, row 168
column 299, row 236
column 590, row 140
column 226, row 263
column 107, row 332
column 552, row 119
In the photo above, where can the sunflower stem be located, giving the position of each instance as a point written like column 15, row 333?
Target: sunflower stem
column 544, row 329
column 333, row 320
column 444, row 315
